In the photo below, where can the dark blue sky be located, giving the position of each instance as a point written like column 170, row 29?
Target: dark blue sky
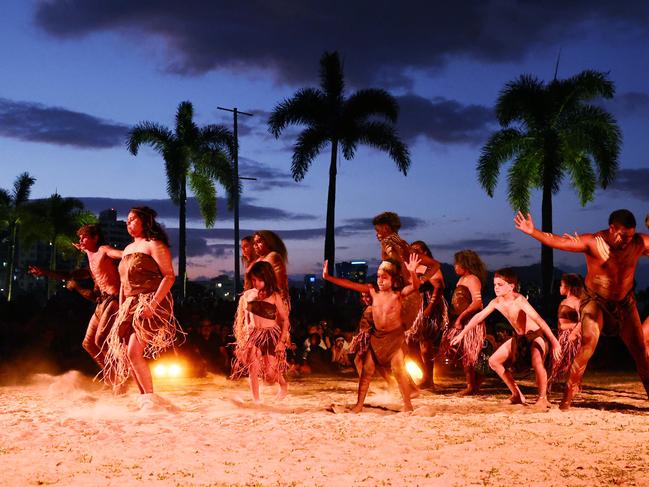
column 77, row 74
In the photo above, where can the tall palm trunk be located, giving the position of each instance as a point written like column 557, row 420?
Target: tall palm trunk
column 12, row 261
column 182, row 238
column 330, row 244
column 547, row 255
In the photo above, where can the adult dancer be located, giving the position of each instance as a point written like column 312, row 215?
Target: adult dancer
column 608, row 304
column 145, row 324
column 102, row 268
column 572, row 287
column 432, row 319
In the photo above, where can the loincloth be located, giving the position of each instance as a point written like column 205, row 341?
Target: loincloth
column 520, row 359
column 385, row 344
column 105, row 314
column 615, row 312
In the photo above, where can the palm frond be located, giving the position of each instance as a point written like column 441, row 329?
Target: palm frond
column 583, row 177
column 500, row 148
column 308, row 145
column 149, row 133
column 332, row 80
column 306, row 107
column 518, row 183
column 590, row 84
column 522, row 100
column 205, row 192
column 176, row 167
column 371, row 102
column 22, row 188
column 383, row 136
column 186, row 129
column 218, row 137
column 216, row 166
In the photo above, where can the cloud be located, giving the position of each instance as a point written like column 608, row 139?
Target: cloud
column 167, row 210
column 380, row 41
column 407, row 223
column 632, row 182
column 443, row 120
column 54, row 125
column 632, row 103
column 267, row 177
column 483, row 246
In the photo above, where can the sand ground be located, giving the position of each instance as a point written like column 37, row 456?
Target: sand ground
column 67, row 430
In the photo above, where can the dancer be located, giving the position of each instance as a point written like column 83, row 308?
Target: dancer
column 248, row 257
column 145, row 324
column 393, row 247
column 270, row 248
column 261, row 332
column 102, row 268
column 387, row 339
column 432, row 320
column 572, row 287
column 526, row 345
column 608, row 303
column 466, row 302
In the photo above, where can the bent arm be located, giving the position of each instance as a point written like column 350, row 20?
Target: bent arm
column 579, row 243
column 531, row 312
column 477, row 318
column 162, row 255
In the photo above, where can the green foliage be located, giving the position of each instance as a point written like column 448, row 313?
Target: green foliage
column 549, row 131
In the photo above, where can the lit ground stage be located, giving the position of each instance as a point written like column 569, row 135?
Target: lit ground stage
column 66, row 431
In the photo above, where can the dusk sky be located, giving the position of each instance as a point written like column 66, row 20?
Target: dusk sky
column 77, row 74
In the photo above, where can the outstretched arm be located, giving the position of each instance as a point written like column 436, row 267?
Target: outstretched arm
column 112, row 252
column 432, row 266
column 473, row 322
column 346, row 283
column 571, row 244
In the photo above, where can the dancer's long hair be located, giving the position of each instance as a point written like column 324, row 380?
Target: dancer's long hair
column 274, row 243
column 424, row 247
column 263, row 271
column 151, row 229
column 574, row 283
column 472, row 262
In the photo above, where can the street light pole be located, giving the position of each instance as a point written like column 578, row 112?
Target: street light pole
column 235, row 177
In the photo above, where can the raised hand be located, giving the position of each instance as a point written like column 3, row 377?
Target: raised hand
column 325, row 269
column 524, row 223
column 413, row 262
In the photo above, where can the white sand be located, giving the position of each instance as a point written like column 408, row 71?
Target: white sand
column 65, row 430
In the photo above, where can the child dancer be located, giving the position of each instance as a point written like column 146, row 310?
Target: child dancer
column 526, row 344
column 572, row 287
column 387, row 338
column 261, row 331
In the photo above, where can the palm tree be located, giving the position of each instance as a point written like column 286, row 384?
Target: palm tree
column 12, row 207
column 55, row 220
column 549, row 131
column 198, row 155
column 366, row 117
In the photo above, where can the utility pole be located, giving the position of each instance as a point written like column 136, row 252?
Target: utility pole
column 236, row 178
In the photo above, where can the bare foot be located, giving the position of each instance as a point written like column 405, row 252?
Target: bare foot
column 564, row 406
column 542, row 403
column 516, row 399
column 468, row 391
column 356, row 409
column 281, row 394
column 407, row 408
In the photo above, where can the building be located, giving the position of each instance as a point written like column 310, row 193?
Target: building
column 113, row 230
column 356, row 270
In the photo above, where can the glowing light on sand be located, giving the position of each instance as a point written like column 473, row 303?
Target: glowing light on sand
column 414, row 371
column 175, row 370
column 160, row 370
